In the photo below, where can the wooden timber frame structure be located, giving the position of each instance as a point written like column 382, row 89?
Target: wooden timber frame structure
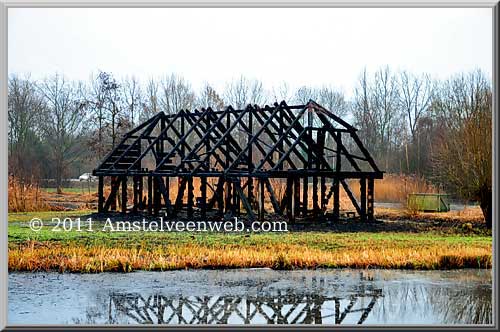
column 236, row 156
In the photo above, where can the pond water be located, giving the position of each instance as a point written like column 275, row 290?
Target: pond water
column 252, row 296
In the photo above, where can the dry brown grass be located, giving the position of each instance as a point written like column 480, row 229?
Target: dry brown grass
column 394, row 188
column 26, row 197
column 468, row 214
column 35, row 256
column 32, row 198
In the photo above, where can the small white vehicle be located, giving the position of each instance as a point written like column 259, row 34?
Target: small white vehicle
column 87, row 177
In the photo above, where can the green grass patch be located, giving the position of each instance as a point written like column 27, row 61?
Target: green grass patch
column 316, row 240
column 73, row 190
column 46, row 215
column 99, row 251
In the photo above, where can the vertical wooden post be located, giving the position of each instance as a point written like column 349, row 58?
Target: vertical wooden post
column 371, row 199
column 220, row 201
column 315, row 196
column 323, row 194
column 156, row 195
column 203, row 203
column 236, row 198
column 124, row 194
column 320, row 139
column 179, row 200
column 114, row 184
column 336, row 198
column 228, row 146
column 289, row 198
column 135, row 192
column 250, row 187
column 280, row 133
column 100, row 194
column 150, row 194
column 183, row 130
column 250, row 156
column 140, row 191
column 190, row 198
column 261, row 200
column 309, row 166
column 305, row 196
column 336, row 179
column 296, row 197
column 167, row 188
column 229, row 200
column 362, row 190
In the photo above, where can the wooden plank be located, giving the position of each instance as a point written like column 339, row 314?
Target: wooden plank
column 262, row 210
column 124, row 194
column 305, row 196
column 150, row 194
column 296, row 197
column 246, row 203
column 289, row 198
column 190, row 198
column 100, row 194
column 362, row 190
column 111, row 201
column 274, row 201
column 370, row 200
column 351, row 196
column 180, row 195
column 203, row 198
column 164, row 191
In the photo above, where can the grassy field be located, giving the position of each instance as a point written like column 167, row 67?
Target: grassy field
column 73, row 190
column 127, row 251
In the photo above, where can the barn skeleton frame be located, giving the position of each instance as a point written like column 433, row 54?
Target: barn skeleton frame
column 241, row 150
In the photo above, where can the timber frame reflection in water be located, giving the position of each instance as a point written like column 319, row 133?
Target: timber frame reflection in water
column 253, row 296
column 282, row 308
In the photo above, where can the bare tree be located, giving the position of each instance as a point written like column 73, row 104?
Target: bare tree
column 376, row 112
column 62, row 123
column 24, row 108
column 241, row 92
column 364, row 112
column 112, row 99
column 103, row 104
column 132, row 96
column 463, row 159
column 333, row 100
column 150, row 105
column 282, row 92
column 415, row 98
column 304, row 94
column 208, row 97
column 176, row 94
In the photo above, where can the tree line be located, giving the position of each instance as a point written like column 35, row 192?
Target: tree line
column 411, row 123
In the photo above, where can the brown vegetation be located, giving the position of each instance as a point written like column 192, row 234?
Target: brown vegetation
column 36, row 256
column 30, row 197
column 25, row 197
column 395, row 187
column 468, row 214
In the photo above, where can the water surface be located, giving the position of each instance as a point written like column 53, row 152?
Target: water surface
column 252, row 296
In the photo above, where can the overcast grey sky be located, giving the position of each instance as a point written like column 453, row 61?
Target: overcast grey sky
column 299, row 46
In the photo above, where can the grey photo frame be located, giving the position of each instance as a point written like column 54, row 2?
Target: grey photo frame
column 6, row 4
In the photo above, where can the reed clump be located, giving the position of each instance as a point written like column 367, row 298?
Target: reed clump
column 41, row 256
column 394, row 188
column 25, row 196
